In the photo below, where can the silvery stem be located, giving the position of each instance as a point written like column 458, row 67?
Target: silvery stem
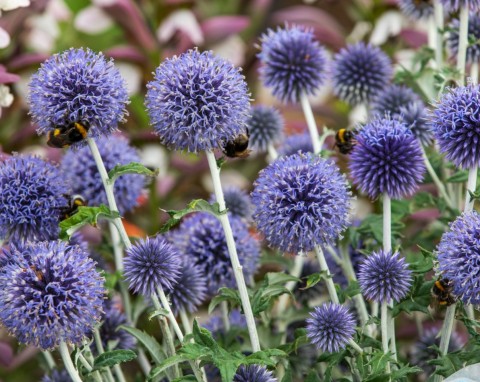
column 312, row 125
column 69, row 366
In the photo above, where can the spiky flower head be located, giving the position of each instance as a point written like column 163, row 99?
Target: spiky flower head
column 473, row 49
column 301, row 201
column 293, row 62
column 295, row 143
column 455, row 5
column 384, row 276
column 415, row 115
column 152, row 263
column 78, row 85
column 237, row 201
column 416, row 9
column 81, row 173
column 190, row 291
column 456, row 125
column 32, row 194
column 265, row 127
column 391, row 98
column 197, row 101
column 50, row 292
column 253, row 373
column 359, row 72
column 459, row 257
column 202, row 241
column 386, row 159
column 330, row 327
column 57, row 376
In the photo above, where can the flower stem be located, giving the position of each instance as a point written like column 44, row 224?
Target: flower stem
column 462, row 43
column 387, row 223
column 101, row 350
column 445, row 334
column 272, row 152
column 471, row 186
column 312, row 125
column 49, row 359
column 185, row 322
column 225, row 320
column 324, row 267
column 88, row 367
column 354, row 345
column 69, row 366
column 474, row 72
column 384, row 328
column 438, row 15
column 440, row 186
column 232, row 251
column 295, row 272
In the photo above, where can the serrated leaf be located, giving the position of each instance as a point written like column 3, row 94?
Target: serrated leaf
column 164, row 365
column 130, row 168
column 158, row 312
column 197, row 205
column 280, row 278
column 460, row 176
column 149, row 342
column 229, row 295
column 186, row 378
column 314, row 279
column 113, row 357
column 85, row 216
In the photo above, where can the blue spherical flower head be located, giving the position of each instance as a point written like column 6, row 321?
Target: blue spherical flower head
column 80, row 171
column 152, row 263
column 50, row 293
column 265, row 127
column 391, row 99
column 78, row 85
column 57, row 376
column 384, row 277
column 301, row 201
column 237, row 201
column 455, row 5
column 456, row 125
column 330, row 327
column 197, row 101
column 473, row 50
column 459, row 255
column 415, row 116
column 415, row 9
column 295, row 143
column 253, row 373
column 32, row 195
column 202, row 241
column 386, row 159
column 293, row 63
column 360, row 71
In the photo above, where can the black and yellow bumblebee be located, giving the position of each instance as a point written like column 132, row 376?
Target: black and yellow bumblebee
column 74, row 202
column 238, row 147
column 442, row 292
column 345, row 140
column 64, row 136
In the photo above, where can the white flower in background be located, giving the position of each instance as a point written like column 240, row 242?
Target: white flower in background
column 132, row 76
column 92, row 20
column 388, row 25
column 8, row 5
column 183, row 20
column 4, row 38
column 6, row 98
column 232, row 49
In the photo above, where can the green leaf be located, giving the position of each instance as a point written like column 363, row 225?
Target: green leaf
column 85, row 216
column 149, row 342
column 229, row 295
column 460, row 176
column 404, row 371
column 312, row 377
column 288, row 377
column 314, row 279
column 158, row 312
column 113, row 357
column 164, row 365
column 197, row 205
column 130, row 168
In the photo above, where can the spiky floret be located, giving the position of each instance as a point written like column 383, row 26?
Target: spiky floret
column 416, row 9
column 253, row 373
column 455, row 5
column 391, row 99
column 295, row 143
column 265, row 127
column 237, row 201
column 416, row 116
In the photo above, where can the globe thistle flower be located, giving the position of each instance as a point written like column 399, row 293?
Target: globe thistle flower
column 386, row 159
column 473, row 50
column 459, row 255
column 237, row 201
column 295, row 143
column 330, row 327
column 190, row 291
column 202, row 241
column 416, row 9
column 152, row 263
column 50, row 293
column 32, row 194
column 455, row 125
column 415, row 116
column 80, row 171
column 455, row 5
column 359, row 72
column 293, row 62
column 265, row 127
column 78, row 85
column 253, row 373
column 391, row 99
column 197, row 101
column 384, row 277
column 57, row 376
column 301, row 201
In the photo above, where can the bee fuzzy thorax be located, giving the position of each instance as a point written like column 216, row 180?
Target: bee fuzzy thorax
column 65, row 136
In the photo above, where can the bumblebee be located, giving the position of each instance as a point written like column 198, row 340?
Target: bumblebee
column 345, row 140
column 74, row 202
column 238, row 147
column 441, row 292
column 64, row 136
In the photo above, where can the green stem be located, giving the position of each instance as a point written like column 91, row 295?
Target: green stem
column 440, row 186
column 387, row 223
column 354, row 345
column 324, row 267
column 312, row 125
column 462, row 43
column 445, row 334
column 69, row 366
column 49, row 360
column 438, row 15
column 101, row 350
column 295, row 272
column 384, row 328
column 471, row 186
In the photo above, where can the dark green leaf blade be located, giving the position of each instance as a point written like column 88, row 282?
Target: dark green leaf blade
column 113, row 357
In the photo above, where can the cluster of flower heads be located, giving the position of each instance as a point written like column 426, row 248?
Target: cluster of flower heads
column 473, row 50
column 391, row 99
column 32, row 196
column 455, row 5
column 265, row 127
column 416, row 9
column 386, row 159
column 50, row 293
column 197, row 101
column 301, row 201
column 81, row 173
column 78, row 85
